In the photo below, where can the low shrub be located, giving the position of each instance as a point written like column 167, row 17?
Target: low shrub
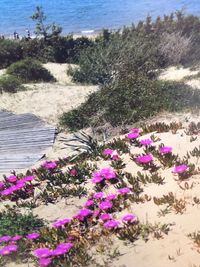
column 12, row 222
column 30, row 70
column 130, row 100
column 10, row 84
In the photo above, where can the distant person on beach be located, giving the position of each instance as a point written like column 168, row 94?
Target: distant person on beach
column 16, row 35
column 28, row 34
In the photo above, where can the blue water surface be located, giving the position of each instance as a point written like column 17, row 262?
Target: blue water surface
column 86, row 15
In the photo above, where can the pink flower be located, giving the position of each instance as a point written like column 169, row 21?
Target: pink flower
column 180, row 168
column 105, row 205
column 107, row 152
column 19, row 186
column 84, row 213
column 28, row 178
column 12, row 248
column 146, row 142
column 7, row 192
column 129, row 218
column 49, row 165
column 8, row 250
column 111, row 197
column 11, row 179
column 108, row 173
column 42, row 252
column 1, row 184
column 112, row 153
column 5, row 238
column 115, row 155
column 124, row 191
column 73, row 172
column 33, row 236
column 44, row 262
column 165, row 150
column 62, row 249
column 112, row 224
column 144, row 159
column 96, row 213
column 89, row 203
column 61, row 223
column 132, row 135
column 65, row 246
column 99, row 195
column 16, row 237
column 97, row 178
column 105, row 217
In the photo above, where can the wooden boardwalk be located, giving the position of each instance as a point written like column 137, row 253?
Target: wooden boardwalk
column 23, row 140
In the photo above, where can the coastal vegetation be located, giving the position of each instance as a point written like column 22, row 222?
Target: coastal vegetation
column 10, row 84
column 29, row 70
column 126, row 64
column 106, row 213
column 107, row 193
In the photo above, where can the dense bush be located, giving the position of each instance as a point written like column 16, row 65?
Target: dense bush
column 30, row 70
column 130, row 100
column 10, row 52
column 58, row 49
column 10, row 84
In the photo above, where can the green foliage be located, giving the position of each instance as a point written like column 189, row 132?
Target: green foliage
column 12, row 222
column 29, row 70
column 58, row 49
column 9, row 52
column 10, row 84
column 130, row 100
column 45, row 30
column 145, row 47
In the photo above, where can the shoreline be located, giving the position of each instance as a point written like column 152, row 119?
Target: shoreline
column 91, row 34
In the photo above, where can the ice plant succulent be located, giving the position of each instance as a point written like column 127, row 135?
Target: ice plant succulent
column 5, row 238
column 180, row 169
column 16, row 238
column 33, row 236
column 165, row 150
column 103, row 174
column 146, row 142
column 42, row 252
column 105, row 217
column 1, row 184
column 8, row 250
column 11, row 179
column 105, row 205
column 107, row 152
column 145, row 159
column 49, row 165
column 89, row 203
column 129, row 218
column 61, row 223
column 98, row 195
column 111, row 224
column 132, row 135
column 124, row 191
column 83, row 214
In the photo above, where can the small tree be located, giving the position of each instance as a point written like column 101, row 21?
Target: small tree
column 43, row 29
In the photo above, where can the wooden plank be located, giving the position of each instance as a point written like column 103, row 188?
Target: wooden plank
column 23, row 140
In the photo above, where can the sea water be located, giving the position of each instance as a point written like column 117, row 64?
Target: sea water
column 86, row 16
